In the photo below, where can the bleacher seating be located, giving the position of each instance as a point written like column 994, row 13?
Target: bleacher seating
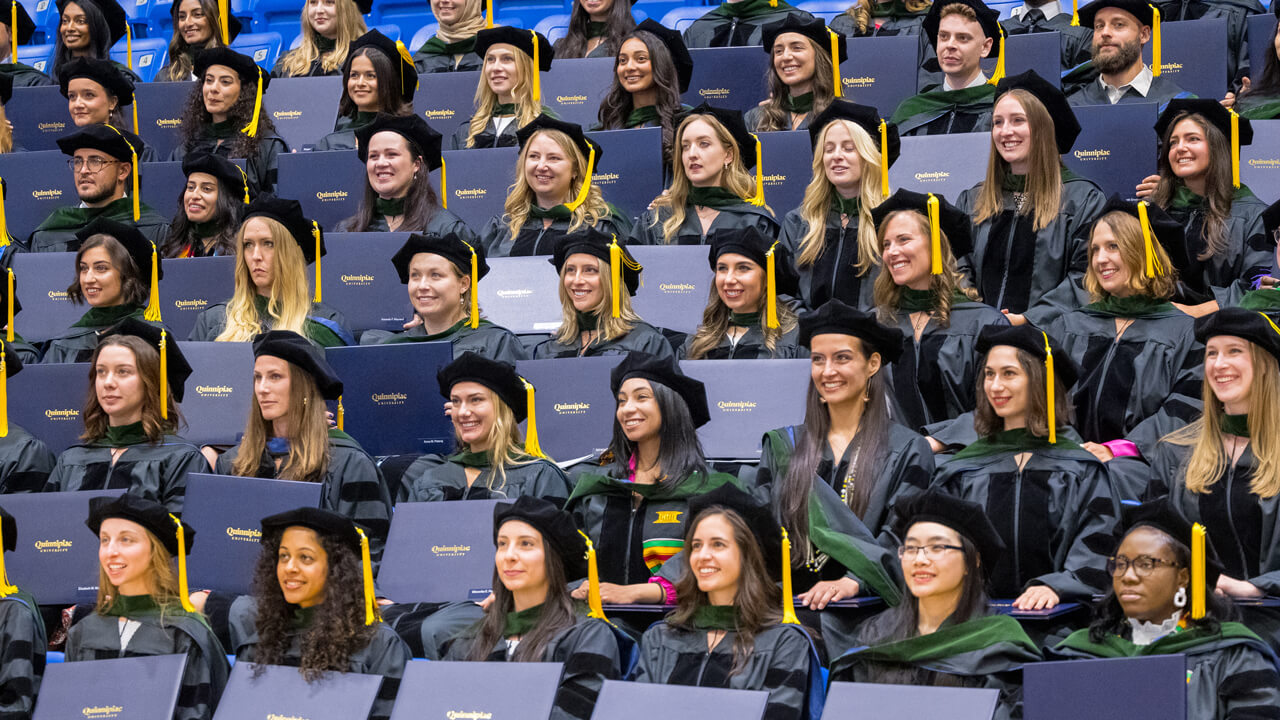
column 149, row 55
column 553, row 26
column 263, row 47
column 37, row 56
column 682, row 17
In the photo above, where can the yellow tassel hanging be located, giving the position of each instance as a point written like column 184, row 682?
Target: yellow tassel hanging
column 935, row 235
column 153, row 301
column 137, row 190
column 537, row 68
column 13, row 31
column 444, row 193
column 1264, row 317
column 164, row 374
column 788, row 599
column 315, row 233
column 1155, row 40
column 407, row 59
column 128, row 43
column 771, row 288
column 488, row 13
column 1153, row 266
column 773, row 3
column 1197, row 571
column 224, row 12
column 998, row 74
column 531, row 445
column 835, row 62
column 342, row 415
column 1075, row 13
column 252, row 128
column 136, row 131
column 6, row 589
column 594, row 604
column 244, row 179
column 4, row 400
column 4, row 223
column 1049, row 387
column 184, row 594
column 884, row 157
column 474, row 320
column 9, row 298
column 370, row 602
column 758, row 198
column 1235, row 148
column 586, row 180
column 615, row 275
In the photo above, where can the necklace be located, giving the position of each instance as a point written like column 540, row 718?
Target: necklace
column 851, row 479
column 1019, row 201
column 917, row 326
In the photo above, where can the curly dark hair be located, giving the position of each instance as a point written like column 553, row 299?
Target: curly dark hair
column 338, row 630
column 196, row 121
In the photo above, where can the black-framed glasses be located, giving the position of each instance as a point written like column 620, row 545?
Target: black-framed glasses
column 933, row 551
column 93, row 164
column 1142, row 565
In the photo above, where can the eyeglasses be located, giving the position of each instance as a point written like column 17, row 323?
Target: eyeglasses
column 93, row 164
column 1142, row 565
column 932, row 552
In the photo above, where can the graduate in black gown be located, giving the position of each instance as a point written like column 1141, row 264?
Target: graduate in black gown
column 533, row 618
column 11, row 36
column 142, row 606
column 313, row 607
column 453, row 47
column 804, row 75
column 733, row 627
column 738, row 23
column 376, row 78
column 1117, row 73
column 210, row 205
column 97, row 91
column 328, row 30
column 22, row 631
column 596, row 31
column 509, row 95
column 25, row 461
column 130, row 438
column 89, row 28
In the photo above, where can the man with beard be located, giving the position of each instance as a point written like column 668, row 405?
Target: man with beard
column 1120, row 29
column 102, row 160
column 962, row 32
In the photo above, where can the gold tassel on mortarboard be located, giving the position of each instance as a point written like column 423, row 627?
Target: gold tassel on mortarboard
column 4, row 222
column 1197, row 571
column 252, row 128
column 488, row 14
column 9, row 298
column 4, row 407
column 594, row 604
column 884, row 157
column 1049, row 387
column 184, row 594
column 537, row 69
column 998, row 74
column 1155, row 40
column 153, row 300
column 771, row 287
column 133, row 161
column 1235, row 148
column 370, row 602
column 224, row 12
column 617, row 259
column 316, row 235
column 531, row 445
column 1152, row 266
column 244, row 179
column 935, row 235
column 444, row 193
column 835, row 62
column 474, row 316
column 586, row 180
column 407, row 59
column 128, row 43
column 1075, row 13
column 758, row 198
column 342, row 415
column 788, row 600
column 164, row 374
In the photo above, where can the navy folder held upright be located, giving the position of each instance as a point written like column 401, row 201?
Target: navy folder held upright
column 909, row 702
column 219, row 391
column 629, row 174
column 521, row 294
column 42, row 280
column 787, row 161
column 127, row 688
column 477, row 182
column 1041, row 51
column 1116, row 147
column 881, row 71
column 748, row 398
column 574, row 404
column 439, row 552
column 573, row 88
column 160, row 107
column 446, row 100
column 190, row 286
column 728, row 77
column 390, row 397
column 56, row 557
column 303, row 109
column 47, row 399
column 44, row 117
column 620, row 700
column 1194, row 55
column 1260, row 161
column 282, row 692
column 465, row 690
column 360, row 278
column 39, row 182
column 329, row 185
column 1104, row 689
column 677, row 280
column 945, row 165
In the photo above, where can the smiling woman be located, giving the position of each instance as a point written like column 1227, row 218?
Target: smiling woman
column 197, row 25
column 375, row 79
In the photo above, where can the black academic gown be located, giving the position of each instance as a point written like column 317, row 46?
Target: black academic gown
column 442, row 223
column 324, row 326
column 262, row 166
column 79, row 341
column 25, row 463
column 58, row 231
column 22, row 659
column 722, row 27
column 488, row 340
column 1162, row 90
column 25, row 75
column 938, row 111
column 834, row 274
column 436, row 477
column 534, row 239
column 1249, row 251
column 155, row 472
column 436, row 56
column 1075, row 41
column 648, row 231
column 643, row 337
column 488, row 138
column 750, row 346
column 343, row 136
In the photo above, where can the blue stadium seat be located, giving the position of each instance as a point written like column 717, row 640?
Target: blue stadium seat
column 392, row 10
column 410, row 21
column 148, row 55
column 825, row 9
column 525, row 14
column 264, row 48
column 553, row 26
column 44, row 13
column 37, row 56
column 390, row 30
column 138, row 12
column 681, row 18
column 421, row 37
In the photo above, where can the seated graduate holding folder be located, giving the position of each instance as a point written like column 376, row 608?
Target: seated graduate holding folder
column 943, row 633
column 744, row 319
column 655, row 460
column 438, row 272
column 554, row 194
column 487, row 401
column 598, row 319
column 312, row 605
column 399, row 152
column 509, row 95
column 117, row 274
column 137, row 377
column 533, row 618
column 803, row 75
column 1153, row 609
column 25, row 461
column 142, row 606
column 275, row 245
column 209, row 208
column 376, row 78
column 733, row 627
column 710, row 188
column 22, row 632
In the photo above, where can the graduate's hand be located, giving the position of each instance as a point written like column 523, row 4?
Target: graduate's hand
column 1267, row 282
column 1238, row 588
column 1037, row 597
column 331, row 419
column 1102, row 452
column 1147, row 186
column 664, row 193
column 448, row 410
column 829, row 591
column 1014, row 318
column 485, row 603
column 1230, row 99
column 936, row 446
column 198, row 599
column 415, row 322
column 612, row 594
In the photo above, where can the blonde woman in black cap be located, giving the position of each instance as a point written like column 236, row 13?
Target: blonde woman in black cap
column 598, row 319
column 652, row 69
column 803, row 76
column 25, row 461
column 711, row 188
column 553, row 195
column 452, row 48
column 210, row 204
column 89, row 28
column 744, row 319
column 328, row 29
column 596, row 29
column 486, row 400
column 438, row 272
column 142, row 607
column 1030, row 474
column 23, row 632
column 274, row 246
column 117, row 273
column 921, row 291
column 853, row 149
column 287, row 435
column 313, row 607
column 944, row 632
column 509, row 95
column 224, row 115
column 1162, row 602
column 197, row 25
column 1031, row 215
column 377, row 78
column 96, row 91
column 131, row 418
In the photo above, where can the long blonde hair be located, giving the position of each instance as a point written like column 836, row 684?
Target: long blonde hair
column 350, row 26
column 610, row 327
column 1208, row 460
column 164, row 581
column 290, row 298
column 526, row 107
column 520, row 196
column 308, row 433
column 819, row 193
column 6, row 133
column 1128, row 233
column 715, row 323
column 887, row 292
column 861, row 11
column 1044, row 169
column 506, row 444
column 735, row 178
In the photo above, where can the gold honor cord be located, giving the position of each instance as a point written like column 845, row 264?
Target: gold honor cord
column 153, row 297
column 224, row 11
column 184, row 594
column 1235, row 148
column 758, row 198
column 1049, row 384
column 835, row 62
column 531, row 445
column 474, row 320
column 4, row 413
column 1197, row 571
column 935, row 235
column 788, row 599
column 164, row 374
column 1153, row 267
column 317, row 236
column 771, row 287
column 370, row 602
column 884, row 157
column 1155, row 40
column 595, row 605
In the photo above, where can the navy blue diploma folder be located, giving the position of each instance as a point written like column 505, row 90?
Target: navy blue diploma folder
column 1105, row 689
column 476, row 182
column 190, row 286
column 360, row 279
column 636, row 701
column 282, row 692
column 574, row 405
column 56, row 558
column 229, row 528
column 446, row 100
column 439, row 552
column 160, row 114
column 42, row 280
column 219, row 391
column 464, row 690
column 1194, row 55
column 1260, row 161
column 944, row 165
column 909, row 702
column 303, row 108
column 390, row 397
column 787, row 162
column 329, row 185
column 39, row 182
column 573, row 88
column 521, row 294
column 677, row 280
column 728, row 77
column 1116, row 147
column 44, row 117
column 131, row 688
column 747, row 398
column 630, row 171
column 880, row 71
column 47, row 399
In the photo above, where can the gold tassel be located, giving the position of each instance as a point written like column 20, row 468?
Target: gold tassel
column 6, row 588
column 184, row 594
column 935, row 235
column 4, row 226
column 444, row 193
column 1270, row 322
column 758, row 198
column 9, row 297
column 998, row 74
column 474, row 321
column 615, row 275
column 835, row 62
column 788, row 600
column 164, row 374
column 1075, row 13
column 771, row 288
column 407, row 59
column 128, row 43
column 586, row 180
column 315, row 233
column 884, row 157
column 1155, row 40
column 1197, row 571
column 596, row 607
column 531, row 445
column 252, row 128
column 137, row 190
column 13, row 31
column 537, row 68
column 342, row 415
column 488, row 14
column 135, row 116
column 1153, row 266
column 153, row 301
column 1049, row 386
column 1235, row 148
column 224, row 18
column 4, row 400
column 244, row 179
column 370, row 602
